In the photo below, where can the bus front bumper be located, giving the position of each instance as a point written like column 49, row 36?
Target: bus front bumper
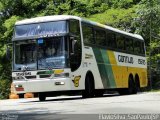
column 42, row 85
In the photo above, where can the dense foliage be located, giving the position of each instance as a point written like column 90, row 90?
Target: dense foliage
column 136, row 16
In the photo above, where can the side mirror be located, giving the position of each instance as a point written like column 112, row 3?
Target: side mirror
column 8, row 52
column 158, row 62
column 73, row 45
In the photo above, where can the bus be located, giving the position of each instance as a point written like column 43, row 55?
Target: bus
column 67, row 53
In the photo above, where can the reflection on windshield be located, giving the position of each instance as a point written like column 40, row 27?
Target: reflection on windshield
column 47, row 53
column 25, row 55
column 51, row 53
column 36, row 29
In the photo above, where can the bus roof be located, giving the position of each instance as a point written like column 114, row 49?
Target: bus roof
column 66, row 17
column 114, row 29
column 47, row 19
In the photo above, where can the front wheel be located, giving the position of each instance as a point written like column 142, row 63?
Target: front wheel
column 89, row 87
column 99, row 93
column 42, row 96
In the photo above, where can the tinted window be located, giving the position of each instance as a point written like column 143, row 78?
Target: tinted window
column 47, row 28
column 142, row 48
column 87, row 34
column 74, row 27
column 120, row 42
column 75, row 58
column 100, row 37
column 111, row 40
column 137, row 47
column 129, row 45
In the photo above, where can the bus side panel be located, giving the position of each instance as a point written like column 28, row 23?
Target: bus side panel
column 90, row 64
column 115, row 75
column 105, row 68
column 119, row 72
column 112, row 75
column 122, row 70
column 143, row 78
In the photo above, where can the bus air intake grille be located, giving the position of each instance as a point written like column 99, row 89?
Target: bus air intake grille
column 44, row 76
column 30, row 77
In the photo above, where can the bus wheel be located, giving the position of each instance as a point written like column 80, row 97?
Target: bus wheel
column 137, row 83
column 42, row 96
column 99, row 93
column 89, row 87
column 132, row 86
column 123, row 91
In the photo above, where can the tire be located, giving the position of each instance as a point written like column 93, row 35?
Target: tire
column 135, row 90
column 42, row 96
column 123, row 91
column 89, row 87
column 99, row 93
column 132, row 89
column 137, row 83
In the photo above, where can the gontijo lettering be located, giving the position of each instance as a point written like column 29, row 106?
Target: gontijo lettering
column 125, row 59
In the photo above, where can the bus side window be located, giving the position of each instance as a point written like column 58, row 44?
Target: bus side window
column 100, row 37
column 142, row 48
column 137, row 47
column 74, row 27
column 111, row 40
column 120, row 42
column 75, row 58
column 87, row 34
column 129, row 45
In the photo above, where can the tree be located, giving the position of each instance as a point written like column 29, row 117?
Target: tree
column 146, row 23
column 148, row 16
column 118, row 18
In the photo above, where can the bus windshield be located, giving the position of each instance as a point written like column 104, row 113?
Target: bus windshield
column 52, row 53
column 43, row 53
column 25, row 54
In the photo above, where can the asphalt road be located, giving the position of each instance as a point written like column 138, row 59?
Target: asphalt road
column 58, row 107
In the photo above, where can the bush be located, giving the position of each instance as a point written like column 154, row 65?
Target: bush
column 5, row 86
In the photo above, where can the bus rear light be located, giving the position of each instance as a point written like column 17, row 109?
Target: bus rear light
column 19, row 88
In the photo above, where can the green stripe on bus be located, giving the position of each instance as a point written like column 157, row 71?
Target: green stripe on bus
column 109, row 70
column 104, row 67
column 45, row 72
column 101, row 67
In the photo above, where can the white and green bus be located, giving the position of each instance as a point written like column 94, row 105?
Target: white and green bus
column 67, row 53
